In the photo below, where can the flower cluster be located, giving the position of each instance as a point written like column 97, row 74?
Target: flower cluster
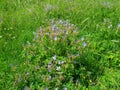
column 56, row 50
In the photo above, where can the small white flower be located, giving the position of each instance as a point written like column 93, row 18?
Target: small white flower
column 54, row 57
column 74, row 31
column 107, row 4
column 58, row 68
column 49, row 77
column 77, row 54
column 110, row 26
column 55, row 38
column 72, row 25
column 27, row 73
column 34, row 33
column 47, row 33
column 77, row 81
column 71, row 79
column 82, row 38
column 60, row 72
column 60, row 62
column 56, row 88
column 48, row 7
column 49, row 70
column 65, row 88
column 49, row 66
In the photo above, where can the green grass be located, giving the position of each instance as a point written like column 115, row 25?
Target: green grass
column 20, row 18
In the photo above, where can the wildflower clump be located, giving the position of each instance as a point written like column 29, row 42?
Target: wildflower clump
column 54, row 54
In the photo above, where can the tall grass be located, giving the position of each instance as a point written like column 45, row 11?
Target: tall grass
column 97, row 20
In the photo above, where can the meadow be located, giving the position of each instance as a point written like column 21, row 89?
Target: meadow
column 59, row 44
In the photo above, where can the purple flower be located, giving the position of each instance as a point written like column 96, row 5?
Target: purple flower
column 40, row 30
column 60, row 21
column 67, row 22
column 54, row 28
column 11, row 64
column 36, row 35
column 75, row 62
column 84, row 44
column 118, row 25
column 26, row 88
column 65, row 31
column 46, row 88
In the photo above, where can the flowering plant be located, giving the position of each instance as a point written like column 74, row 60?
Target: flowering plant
column 54, row 53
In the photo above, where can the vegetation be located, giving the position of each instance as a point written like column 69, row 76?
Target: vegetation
column 59, row 44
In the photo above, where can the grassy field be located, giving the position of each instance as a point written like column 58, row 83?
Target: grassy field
column 97, row 21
